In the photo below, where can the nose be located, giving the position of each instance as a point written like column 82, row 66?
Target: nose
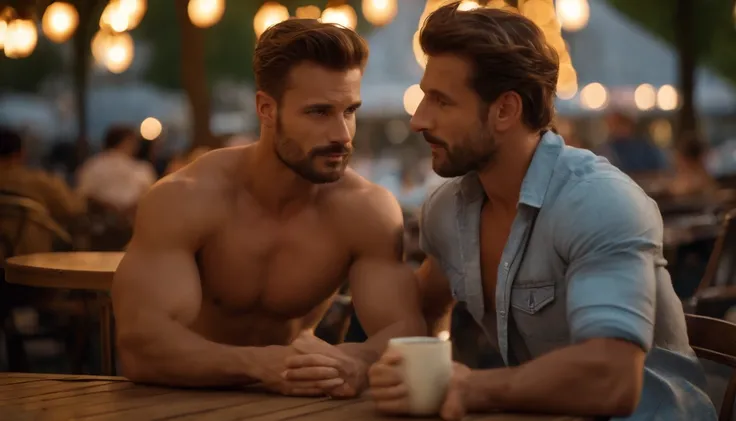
column 420, row 121
column 341, row 131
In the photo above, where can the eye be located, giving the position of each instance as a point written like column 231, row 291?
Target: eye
column 351, row 110
column 318, row 112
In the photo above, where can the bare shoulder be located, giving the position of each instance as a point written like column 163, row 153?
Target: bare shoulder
column 368, row 213
column 189, row 203
column 357, row 197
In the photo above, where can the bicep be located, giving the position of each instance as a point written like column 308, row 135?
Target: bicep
column 613, row 250
column 384, row 292
column 152, row 283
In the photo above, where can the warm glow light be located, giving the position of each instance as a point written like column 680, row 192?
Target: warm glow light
column 3, row 32
column 541, row 12
column 573, row 14
column 59, row 21
column 412, row 97
column 269, row 15
column 594, row 96
column 418, row 52
column 341, row 15
column 151, row 128
column 380, row 12
column 667, row 98
column 444, row 335
column 308, row 12
column 135, row 9
column 645, row 97
column 205, row 13
column 20, row 38
column 468, row 5
column 116, row 51
column 115, row 17
column 567, row 82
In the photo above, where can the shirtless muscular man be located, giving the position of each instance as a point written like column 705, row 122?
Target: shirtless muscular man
column 241, row 251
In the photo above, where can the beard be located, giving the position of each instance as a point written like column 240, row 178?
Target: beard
column 305, row 165
column 472, row 154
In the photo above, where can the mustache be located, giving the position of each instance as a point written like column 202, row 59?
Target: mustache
column 334, row 148
column 434, row 140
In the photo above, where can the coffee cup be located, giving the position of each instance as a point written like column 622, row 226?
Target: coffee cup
column 426, row 368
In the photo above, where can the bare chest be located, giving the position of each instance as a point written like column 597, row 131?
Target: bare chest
column 277, row 269
column 495, row 228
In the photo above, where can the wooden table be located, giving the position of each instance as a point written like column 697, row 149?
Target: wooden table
column 73, row 270
column 58, row 397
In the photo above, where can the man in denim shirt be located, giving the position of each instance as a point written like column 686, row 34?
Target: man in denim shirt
column 556, row 254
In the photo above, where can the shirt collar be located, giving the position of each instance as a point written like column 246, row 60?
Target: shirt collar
column 537, row 178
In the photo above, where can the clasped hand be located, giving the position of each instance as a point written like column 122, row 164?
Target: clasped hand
column 312, row 367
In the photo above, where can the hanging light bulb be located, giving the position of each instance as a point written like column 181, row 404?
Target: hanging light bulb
column 341, row 15
column 468, row 5
column 3, row 32
column 59, row 21
column 135, row 9
column 308, row 12
column 205, row 13
column 20, row 38
column 118, row 53
column 269, row 15
column 573, row 14
column 115, row 17
column 380, row 12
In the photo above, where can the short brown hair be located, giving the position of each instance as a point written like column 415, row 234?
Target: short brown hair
column 508, row 52
column 294, row 41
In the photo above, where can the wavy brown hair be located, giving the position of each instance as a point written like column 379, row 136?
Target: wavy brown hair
column 508, row 52
column 295, row 41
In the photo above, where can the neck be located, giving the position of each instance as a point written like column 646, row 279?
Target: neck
column 502, row 178
column 274, row 185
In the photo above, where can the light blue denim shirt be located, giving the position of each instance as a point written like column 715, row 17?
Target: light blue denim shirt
column 583, row 260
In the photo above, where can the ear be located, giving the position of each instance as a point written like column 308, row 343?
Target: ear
column 506, row 111
column 266, row 108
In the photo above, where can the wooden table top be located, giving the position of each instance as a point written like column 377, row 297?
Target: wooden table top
column 73, row 270
column 52, row 396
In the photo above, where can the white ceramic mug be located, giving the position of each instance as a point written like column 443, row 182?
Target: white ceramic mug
column 427, row 368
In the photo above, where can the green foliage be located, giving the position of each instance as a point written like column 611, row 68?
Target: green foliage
column 715, row 33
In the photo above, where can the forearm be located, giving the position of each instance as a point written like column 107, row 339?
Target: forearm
column 370, row 350
column 572, row 381
column 167, row 353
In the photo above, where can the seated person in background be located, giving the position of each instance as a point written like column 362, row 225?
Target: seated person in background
column 114, row 177
column 50, row 191
column 237, row 254
column 556, row 253
column 630, row 152
column 691, row 175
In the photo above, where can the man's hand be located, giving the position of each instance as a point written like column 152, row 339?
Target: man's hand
column 455, row 405
column 316, row 360
column 310, row 382
column 391, row 394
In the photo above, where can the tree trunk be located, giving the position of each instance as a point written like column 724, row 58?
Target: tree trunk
column 194, row 77
column 688, row 60
column 81, row 44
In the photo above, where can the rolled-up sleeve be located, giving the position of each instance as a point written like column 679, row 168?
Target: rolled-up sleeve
column 610, row 234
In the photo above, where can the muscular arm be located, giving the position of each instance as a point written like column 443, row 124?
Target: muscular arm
column 383, row 287
column 436, row 298
column 610, row 234
column 157, row 295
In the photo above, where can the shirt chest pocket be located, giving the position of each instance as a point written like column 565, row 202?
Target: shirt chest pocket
column 538, row 309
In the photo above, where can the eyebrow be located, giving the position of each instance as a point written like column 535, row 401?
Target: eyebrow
column 443, row 96
column 327, row 106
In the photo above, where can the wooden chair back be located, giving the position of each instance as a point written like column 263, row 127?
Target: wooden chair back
column 715, row 340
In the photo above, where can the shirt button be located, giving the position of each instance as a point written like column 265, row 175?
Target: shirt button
column 505, row 265
column 502, row 313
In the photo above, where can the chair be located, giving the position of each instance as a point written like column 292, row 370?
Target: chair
column 19, row 213
column 715, row 340
column 716, row 292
